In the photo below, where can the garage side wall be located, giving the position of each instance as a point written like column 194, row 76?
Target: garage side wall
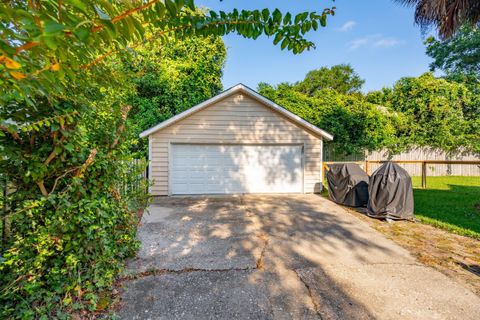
column 237, row 119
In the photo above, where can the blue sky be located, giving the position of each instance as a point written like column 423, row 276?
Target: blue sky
column 377, row 37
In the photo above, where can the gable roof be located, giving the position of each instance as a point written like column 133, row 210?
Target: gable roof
column 252, row 93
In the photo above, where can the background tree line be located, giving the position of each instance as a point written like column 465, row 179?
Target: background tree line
column 439, row 112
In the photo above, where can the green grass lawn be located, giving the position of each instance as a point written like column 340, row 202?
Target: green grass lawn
column 451, row 203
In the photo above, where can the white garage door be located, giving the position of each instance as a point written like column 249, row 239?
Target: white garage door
column 220, row 169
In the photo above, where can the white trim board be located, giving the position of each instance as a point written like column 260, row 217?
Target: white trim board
column 239, row 88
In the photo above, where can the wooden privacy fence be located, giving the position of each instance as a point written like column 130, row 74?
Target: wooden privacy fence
column 417, row 154
column 367, row 165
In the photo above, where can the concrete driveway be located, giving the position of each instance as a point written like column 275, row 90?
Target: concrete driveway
column 278, row 257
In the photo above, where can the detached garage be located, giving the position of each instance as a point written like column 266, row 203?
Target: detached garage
column 235, row 142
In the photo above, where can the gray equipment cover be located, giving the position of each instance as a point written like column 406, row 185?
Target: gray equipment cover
column 347, row 184
column 391, row 194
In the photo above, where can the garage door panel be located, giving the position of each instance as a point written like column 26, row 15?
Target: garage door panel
column 220, row 169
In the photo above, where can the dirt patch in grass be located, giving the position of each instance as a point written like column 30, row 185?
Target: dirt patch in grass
column 456, row 256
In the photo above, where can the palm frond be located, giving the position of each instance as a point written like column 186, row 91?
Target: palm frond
column 447, row 16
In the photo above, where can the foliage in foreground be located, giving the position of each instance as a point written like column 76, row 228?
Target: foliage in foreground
column 63, row 111
column 70, row 220
column 46, row 44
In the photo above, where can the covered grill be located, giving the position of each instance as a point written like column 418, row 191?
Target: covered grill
column 347, row 184
column 391, row 194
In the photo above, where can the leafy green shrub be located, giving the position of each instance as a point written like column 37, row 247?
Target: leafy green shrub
column 64, row 251
column 437, row 112
column 356, row 124
column 441, row 113
column 70, row 231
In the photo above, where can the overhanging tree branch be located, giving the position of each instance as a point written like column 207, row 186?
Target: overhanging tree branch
column 12, row 133
column 32, row 44
column 163, row 33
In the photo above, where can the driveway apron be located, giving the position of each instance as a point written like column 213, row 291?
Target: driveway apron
column 278, row 257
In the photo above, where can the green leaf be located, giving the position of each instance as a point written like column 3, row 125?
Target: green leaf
column 51, row 42
column 139, row 27
column 287, row 19
column 171, row 7
column 179, row 4
column 69, row 147
column 160, row 9
column 265, row 14
column 82, row 34
column 79, row 5
column 278, row 38
column 54, row 127
column 323, row 20
column 277, row 16
column 191, row 5
column 285, row 43
column 306, row 27
column 298, row 18
column 5, row 47
column 51, row 27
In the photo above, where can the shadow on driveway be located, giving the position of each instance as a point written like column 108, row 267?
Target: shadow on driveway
column 278, row 257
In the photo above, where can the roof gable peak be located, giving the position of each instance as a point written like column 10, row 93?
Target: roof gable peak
column 240, row 87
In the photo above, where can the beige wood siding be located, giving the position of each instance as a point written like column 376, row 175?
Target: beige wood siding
column 237, row 119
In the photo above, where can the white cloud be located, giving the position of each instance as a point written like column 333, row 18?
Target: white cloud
column 375, row 41
column 357, row 43
column 347, row 26
column 387, row 42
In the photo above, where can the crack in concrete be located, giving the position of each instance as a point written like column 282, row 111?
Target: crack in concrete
column 316, row 306
column 260, row 265
column 156, row 272
column 395, row 264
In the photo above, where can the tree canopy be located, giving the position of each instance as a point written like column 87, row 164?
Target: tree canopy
column 356, row 124
column 434, row 111
column 457, row 55
column 341, row 78
column 171, row 78
column 417, row 111
column 459, row 58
